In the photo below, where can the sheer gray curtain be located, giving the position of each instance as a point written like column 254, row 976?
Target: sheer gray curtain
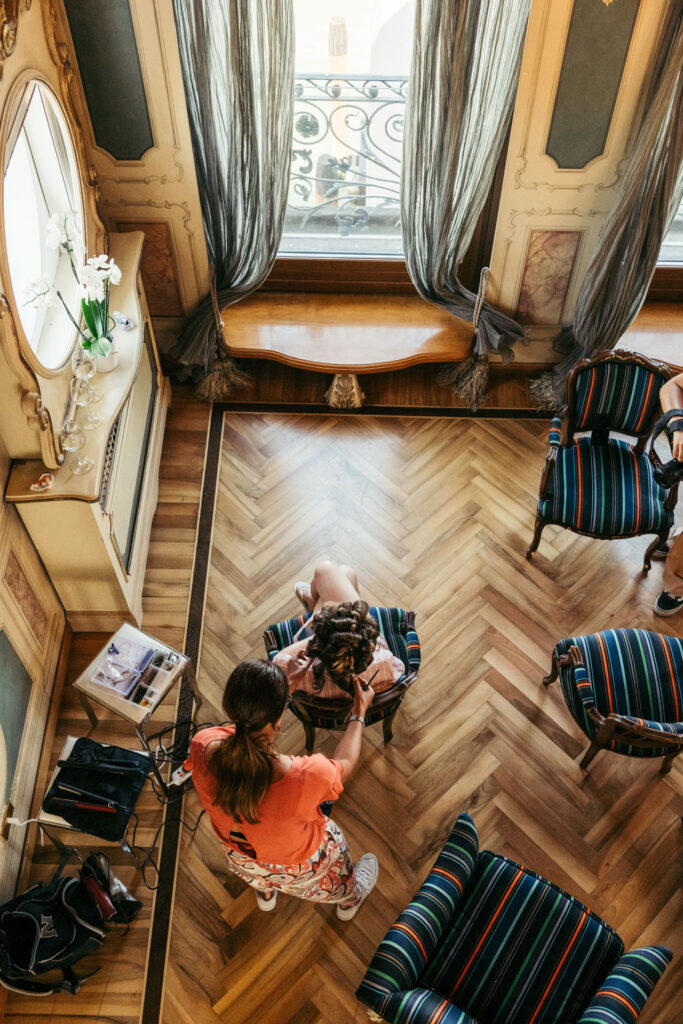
column 463, row 82
column 650, row 192
column 238, row 68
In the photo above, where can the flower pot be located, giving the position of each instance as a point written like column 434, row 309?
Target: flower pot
column 105, row 364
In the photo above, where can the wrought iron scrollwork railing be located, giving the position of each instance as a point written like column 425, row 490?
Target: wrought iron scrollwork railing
column 346, row 165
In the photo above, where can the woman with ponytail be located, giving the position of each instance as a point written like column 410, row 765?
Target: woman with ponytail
column 265, row 806
column 341, row 640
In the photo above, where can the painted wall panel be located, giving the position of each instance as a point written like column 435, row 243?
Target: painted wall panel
column 548, row 268
column 107, row 54
column 592, row 67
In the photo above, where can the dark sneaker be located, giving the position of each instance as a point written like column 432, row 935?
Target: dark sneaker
column 663, row 550
column 667, row 604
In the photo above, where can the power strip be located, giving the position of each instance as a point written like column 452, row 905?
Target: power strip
column 180, row 776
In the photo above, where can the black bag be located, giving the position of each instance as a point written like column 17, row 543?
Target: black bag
column 97, row 787
column 49, row 927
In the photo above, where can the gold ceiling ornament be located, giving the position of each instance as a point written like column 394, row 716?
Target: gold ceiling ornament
column 607, row 2
column 9, row 17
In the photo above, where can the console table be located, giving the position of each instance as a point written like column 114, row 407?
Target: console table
column 344, row 334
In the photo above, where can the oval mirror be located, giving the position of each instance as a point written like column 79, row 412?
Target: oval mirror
column 43, row 220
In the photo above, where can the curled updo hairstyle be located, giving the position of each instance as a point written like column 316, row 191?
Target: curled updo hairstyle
column 255, row 697
column 342, row 644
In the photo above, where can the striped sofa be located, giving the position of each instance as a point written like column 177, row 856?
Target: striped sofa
column 398, row 629
column 486, row 941
column 624, row 688
column 599, row 485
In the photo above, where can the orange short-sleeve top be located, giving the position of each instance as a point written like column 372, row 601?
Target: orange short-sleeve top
column 291, row 825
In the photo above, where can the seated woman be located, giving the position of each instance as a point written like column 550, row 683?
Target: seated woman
column 265, row 806
column 340, row 642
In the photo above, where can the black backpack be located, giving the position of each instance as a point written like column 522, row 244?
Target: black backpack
column 46, row 928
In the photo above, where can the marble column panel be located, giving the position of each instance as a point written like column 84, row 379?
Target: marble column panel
column 547, row 271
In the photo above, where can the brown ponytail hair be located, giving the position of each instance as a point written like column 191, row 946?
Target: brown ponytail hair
column 343, row 642
column 255, row 697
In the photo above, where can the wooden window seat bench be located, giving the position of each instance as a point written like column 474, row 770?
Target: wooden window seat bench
column 344, row 334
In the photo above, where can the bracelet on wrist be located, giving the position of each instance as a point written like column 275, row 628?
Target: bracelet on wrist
column 357, row 718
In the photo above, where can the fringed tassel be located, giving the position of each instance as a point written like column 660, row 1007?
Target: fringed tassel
column 542, row 391
column 224, row 375
column 549, row 391
column 470, row 380
column 221, row 380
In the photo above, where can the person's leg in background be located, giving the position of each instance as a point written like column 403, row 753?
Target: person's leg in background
column 670, row 600
column 331, row 582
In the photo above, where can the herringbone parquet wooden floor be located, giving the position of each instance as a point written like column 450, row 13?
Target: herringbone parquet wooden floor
column 436, row 516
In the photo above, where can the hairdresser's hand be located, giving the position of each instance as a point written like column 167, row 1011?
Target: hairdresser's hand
column 677, row 445
column 363, row 696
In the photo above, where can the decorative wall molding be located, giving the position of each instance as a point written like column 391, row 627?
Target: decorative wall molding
column 537, row 195
column 17, row 583
column 9, row 24
column 164, row 178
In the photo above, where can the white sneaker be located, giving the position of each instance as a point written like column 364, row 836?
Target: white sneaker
column 366, row 871
column 266, row 903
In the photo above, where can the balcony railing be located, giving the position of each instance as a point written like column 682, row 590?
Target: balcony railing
column 346, row 165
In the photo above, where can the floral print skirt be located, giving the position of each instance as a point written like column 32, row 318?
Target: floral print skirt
column 328, row 877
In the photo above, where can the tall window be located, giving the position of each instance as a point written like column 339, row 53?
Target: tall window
column 352, row 65
column 671, row 252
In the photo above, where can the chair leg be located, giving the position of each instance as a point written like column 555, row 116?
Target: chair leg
column 387, row 724
column 590, row 754
column 554, row 671
column 667, row 762
column 538, row 530
column 661, row 538
column 309, row 729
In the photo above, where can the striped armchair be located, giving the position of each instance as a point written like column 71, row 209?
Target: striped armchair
column 624, row 688
column 398, row 629
column 486, row 941
column 599, row 485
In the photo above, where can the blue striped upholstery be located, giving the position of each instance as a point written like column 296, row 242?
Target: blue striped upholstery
column 511, row 935
column 622, row 995
column 401, row 639
column 512, row 949
column 408, row 947
column 555, row 432
column 605, row 489
column 630, row 672
column 621, row 396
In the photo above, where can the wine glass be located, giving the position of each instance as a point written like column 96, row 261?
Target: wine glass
column 80, row 394
column 82, row 364
column 72, row 439
column 84, row 368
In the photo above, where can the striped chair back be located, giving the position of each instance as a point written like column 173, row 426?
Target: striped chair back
column 617, row 391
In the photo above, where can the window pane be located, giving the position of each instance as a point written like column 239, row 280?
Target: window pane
column 672, row 247
column 352, row 64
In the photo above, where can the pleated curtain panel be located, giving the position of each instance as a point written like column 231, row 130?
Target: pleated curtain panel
column 466, row 61
column 238, row 69
column 650, row 192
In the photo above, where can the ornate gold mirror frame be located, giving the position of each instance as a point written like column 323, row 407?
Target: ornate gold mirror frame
column 33, row 398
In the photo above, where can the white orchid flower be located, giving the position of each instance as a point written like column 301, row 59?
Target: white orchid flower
column 73, row 225
column 91, row 282
column 99, row 263
column 114, row 273
column 40, row 293
column 55, row 235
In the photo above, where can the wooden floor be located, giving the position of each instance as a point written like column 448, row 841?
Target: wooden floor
column 115, row 994
column 436, row 514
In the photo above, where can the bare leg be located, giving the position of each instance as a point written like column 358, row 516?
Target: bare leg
column 332, row 582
